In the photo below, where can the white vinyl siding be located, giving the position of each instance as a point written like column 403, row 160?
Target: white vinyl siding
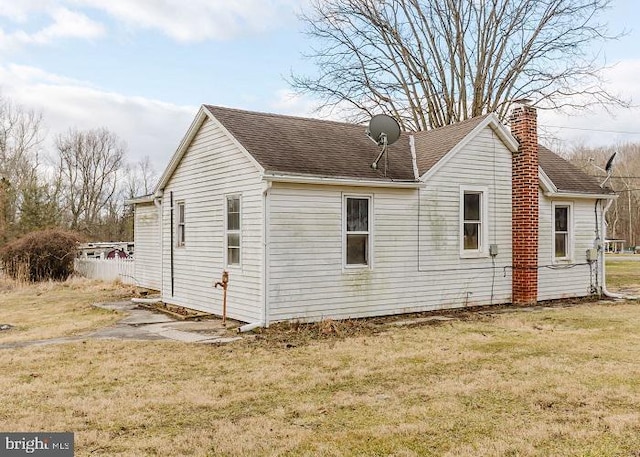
column 212, row 168
column 293, row 240
column 555, row 278
column 416, row 259
column 147, row 249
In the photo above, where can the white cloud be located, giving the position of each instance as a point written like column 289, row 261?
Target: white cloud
column 64, row 24
column 19, row 11
column 199, row 20
column 192, row 21
column 68, row 24
column 149, row 127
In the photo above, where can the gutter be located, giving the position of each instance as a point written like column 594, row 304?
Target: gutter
column 574, row 195
column 338, row 181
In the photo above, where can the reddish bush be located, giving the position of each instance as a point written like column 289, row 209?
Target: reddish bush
column 41, row 256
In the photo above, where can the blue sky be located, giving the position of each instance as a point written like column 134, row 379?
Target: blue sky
column 142, row 67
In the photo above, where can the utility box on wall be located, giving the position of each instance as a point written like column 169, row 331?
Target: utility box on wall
column 592, row 255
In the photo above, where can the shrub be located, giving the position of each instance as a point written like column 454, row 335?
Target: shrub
column 41, row 256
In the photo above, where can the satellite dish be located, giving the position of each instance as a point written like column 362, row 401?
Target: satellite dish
column 382, row 126
column 609, row 164
column 383, row 130
column 608, row 168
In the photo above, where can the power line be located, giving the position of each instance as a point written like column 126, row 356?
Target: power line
column 626, row 132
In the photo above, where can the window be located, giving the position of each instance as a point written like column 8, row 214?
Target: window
column 180, row 226
column 357, row 231
column 561, row 231
column 233, row 230
column 473, row 226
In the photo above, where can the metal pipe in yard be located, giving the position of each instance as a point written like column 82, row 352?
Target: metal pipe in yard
column 224, row 283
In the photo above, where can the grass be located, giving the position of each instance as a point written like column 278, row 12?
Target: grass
column 562, row 381
column 52, row 310
column 623, row 274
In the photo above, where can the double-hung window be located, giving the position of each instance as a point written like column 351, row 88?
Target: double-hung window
column 473, row 221
column 357, row 231
column 561, row 231
column 180, row 224
column 233, row 234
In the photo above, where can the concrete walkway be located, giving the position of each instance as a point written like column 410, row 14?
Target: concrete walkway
column 145, row 325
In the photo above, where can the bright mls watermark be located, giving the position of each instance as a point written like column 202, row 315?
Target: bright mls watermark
column 36, row 444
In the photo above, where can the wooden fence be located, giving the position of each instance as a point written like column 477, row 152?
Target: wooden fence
column 107, row 269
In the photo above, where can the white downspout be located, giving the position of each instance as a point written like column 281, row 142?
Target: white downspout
column 265, row 253
column 414, row 161
column 603, row 231
column 157, row 202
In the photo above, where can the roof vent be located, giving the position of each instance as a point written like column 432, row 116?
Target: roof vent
column 384, row 131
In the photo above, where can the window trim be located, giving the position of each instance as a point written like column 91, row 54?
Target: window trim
column 483, row 239
column 369, row 264
column 227, row 232
column 570, row 231
column 181, row 236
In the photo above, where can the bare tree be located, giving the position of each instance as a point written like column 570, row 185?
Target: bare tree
column 89, row 165
column 141, row 178
column 21, row 137
column 432, row 63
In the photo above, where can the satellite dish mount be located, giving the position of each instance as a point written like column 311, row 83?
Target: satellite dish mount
column 608, row 168
column 384, row 131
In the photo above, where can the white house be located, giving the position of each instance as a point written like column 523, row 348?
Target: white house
column 462, row 215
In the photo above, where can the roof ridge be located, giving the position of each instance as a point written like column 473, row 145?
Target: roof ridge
column 455, row 124
column 284, row 116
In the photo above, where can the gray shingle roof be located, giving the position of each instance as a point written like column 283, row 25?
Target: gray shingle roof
column 286, row 144
column 296, row 145
column 566, row 176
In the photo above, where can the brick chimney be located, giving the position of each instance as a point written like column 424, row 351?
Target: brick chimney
column 524, row 202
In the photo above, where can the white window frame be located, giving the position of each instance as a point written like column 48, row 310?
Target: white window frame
column 369, row 232
column 228, row 232
column 181, row 226
column 483, row 237
column 570, row 231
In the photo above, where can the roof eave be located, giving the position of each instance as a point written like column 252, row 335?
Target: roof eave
column 339, row 181
column 548, row 187
column 138, row 200
column 585, row 195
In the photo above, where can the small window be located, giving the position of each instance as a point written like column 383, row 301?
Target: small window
column 180, row 225
column 233, row 230
column 473, row 222
column 357, row 231
column 561, row 232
